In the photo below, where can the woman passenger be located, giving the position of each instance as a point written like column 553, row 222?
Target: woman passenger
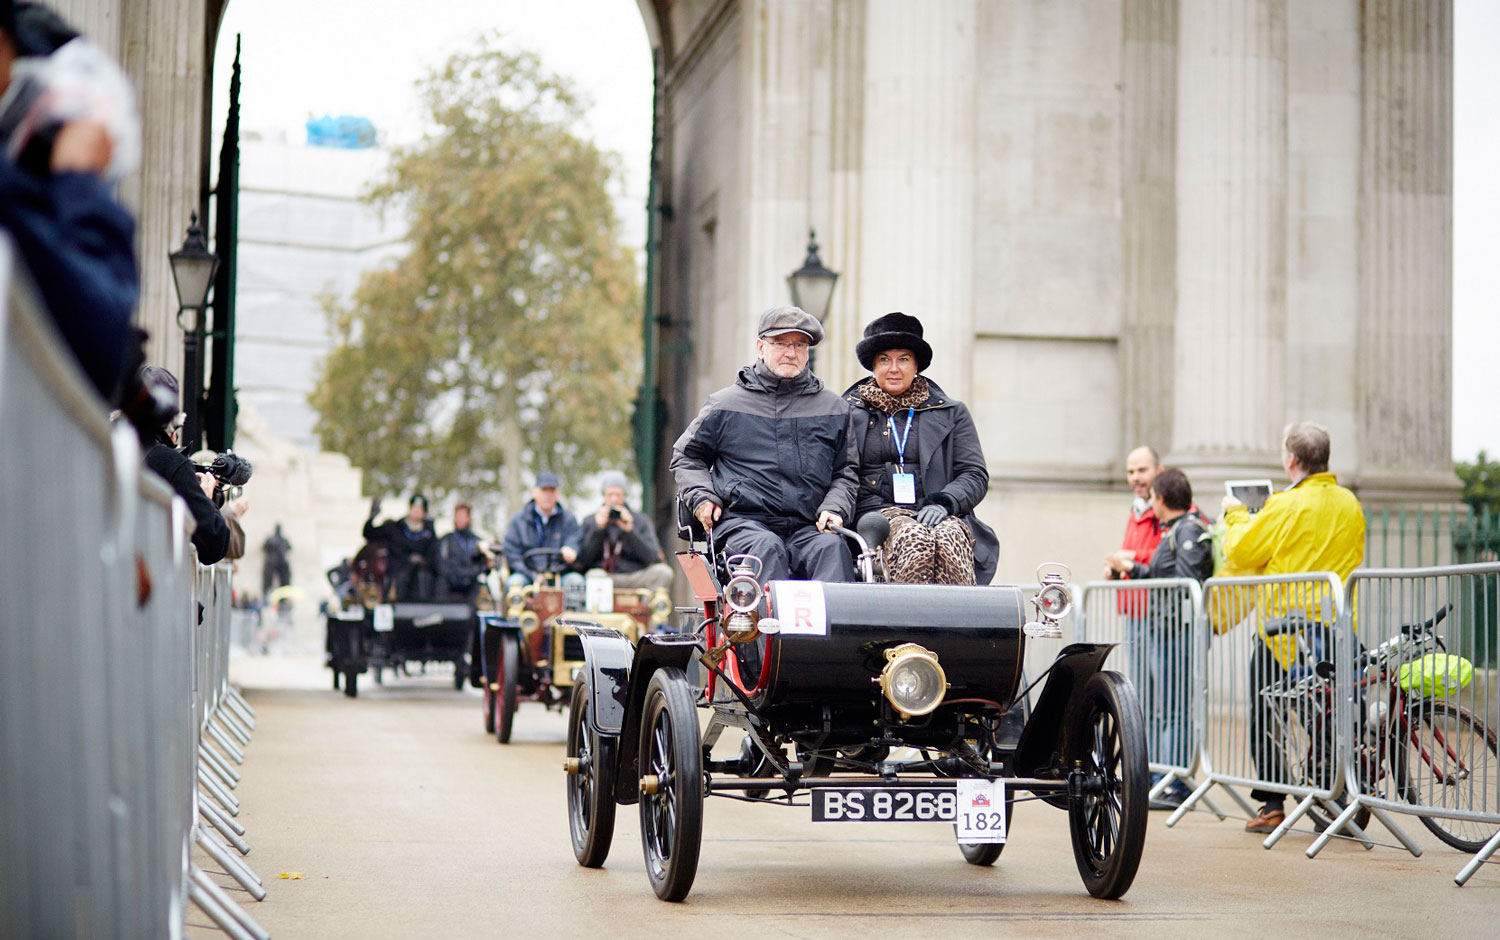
column 920, row 463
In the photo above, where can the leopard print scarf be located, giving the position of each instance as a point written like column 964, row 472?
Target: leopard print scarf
column 883, row 401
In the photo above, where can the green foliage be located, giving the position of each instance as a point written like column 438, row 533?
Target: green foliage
column 505, row 341
column 1481, row 481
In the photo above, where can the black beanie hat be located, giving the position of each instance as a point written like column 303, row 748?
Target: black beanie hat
column 893, row 331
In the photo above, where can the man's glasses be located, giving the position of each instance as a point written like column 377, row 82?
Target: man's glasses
column 788, row 347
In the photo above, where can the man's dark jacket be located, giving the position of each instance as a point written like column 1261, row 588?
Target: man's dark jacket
column 460, row 563
column 770, row 449
column 1185, row 551
column 639, row 547
column 951, row 471
column 211, row 535
column 528, row 530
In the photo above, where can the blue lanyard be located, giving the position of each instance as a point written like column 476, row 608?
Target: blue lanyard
column 901, row 441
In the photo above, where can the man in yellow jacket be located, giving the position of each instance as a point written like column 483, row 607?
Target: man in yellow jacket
column 1315, row 525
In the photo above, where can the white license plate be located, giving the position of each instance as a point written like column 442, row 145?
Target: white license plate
column 884, row 804
column 385, row 618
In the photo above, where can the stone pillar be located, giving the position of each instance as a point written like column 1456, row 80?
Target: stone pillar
column 1149, row 220
column 1406, row 247
column 163, row 48
column 778, row 42
column 1228, row 404
column 917, row 206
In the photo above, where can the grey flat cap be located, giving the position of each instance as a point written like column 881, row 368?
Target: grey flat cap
column 788, row 319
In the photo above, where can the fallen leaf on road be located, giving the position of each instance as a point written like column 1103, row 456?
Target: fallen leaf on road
column 291, row 876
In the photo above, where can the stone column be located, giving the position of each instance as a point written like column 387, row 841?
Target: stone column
column 1406, row 246
column 163, row 48
column 1149, row 219
column 917, row 205
column 1231, row 234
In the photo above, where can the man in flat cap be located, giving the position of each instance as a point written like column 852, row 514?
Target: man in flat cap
column 769, row 462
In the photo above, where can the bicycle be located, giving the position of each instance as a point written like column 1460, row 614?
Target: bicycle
column 1429, row 751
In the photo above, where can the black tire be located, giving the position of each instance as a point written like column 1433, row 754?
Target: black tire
column 460, row 673
column 1108, row 827
column 505, row 705
column 987, row 853
column 591, row 791
column 1452, row 762
column 351, row 682
column 671, row 818
column 489, row 709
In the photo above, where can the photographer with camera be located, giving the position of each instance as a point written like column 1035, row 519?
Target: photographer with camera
column 620, row 542
column 197, row 486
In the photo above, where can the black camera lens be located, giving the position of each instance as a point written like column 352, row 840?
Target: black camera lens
column 614, row 512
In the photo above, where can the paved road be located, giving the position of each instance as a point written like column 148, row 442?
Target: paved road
column 405, row 820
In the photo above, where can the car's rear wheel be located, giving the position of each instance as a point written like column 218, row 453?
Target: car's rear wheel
column 505, row 709
column 591, row 785
column 671, row 756
column 1108, row 821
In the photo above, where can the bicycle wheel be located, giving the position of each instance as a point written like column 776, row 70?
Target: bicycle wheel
column 1447, row 760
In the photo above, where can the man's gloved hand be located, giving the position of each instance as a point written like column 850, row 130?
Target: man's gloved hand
column 931, row 515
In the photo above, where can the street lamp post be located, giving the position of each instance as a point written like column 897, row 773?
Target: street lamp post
column 812, row 285
column 192, row 274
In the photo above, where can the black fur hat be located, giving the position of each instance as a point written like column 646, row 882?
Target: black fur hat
column 893, row 331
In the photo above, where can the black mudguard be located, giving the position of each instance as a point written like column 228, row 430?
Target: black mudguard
column 1044, row 745
column 490, row 626
column 618, row 677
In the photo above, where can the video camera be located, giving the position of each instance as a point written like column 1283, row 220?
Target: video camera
column 229, row 469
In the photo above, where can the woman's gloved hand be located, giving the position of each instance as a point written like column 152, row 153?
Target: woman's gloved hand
column 931, row 515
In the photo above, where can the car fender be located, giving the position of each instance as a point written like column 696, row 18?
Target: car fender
column 618, row 678
column 1044, row 743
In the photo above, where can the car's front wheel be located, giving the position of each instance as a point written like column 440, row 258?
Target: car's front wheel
column 671, row 759
column 1108, row 820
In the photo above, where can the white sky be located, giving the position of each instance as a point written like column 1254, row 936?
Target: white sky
column 309, row 57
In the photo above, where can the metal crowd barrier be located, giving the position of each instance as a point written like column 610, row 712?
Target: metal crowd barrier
column 1270, row 721
column 1157, row 625
column 1421, row 714
column 108, row 683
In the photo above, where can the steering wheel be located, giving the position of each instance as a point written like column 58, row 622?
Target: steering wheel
column 554, row 563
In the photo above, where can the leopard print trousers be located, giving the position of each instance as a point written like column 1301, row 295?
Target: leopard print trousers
column 919, row 554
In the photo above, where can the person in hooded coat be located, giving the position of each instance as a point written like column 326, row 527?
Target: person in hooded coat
column 920, row 462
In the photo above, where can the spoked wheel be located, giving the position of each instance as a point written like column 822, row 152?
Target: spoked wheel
column 1447, row 759
column 1108, row 821
column 591, row 784
column 505, row 698
column 490, row 698
column 671, row 763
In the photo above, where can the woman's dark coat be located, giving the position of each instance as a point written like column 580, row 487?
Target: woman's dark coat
column 952, row 473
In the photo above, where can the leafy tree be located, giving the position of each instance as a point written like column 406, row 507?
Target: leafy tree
column 503, row 342
column 1481, row 481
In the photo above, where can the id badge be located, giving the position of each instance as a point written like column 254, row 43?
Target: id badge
column 904, row 487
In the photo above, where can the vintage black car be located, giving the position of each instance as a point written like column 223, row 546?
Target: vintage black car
column 369, row 632
column 864, row 701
